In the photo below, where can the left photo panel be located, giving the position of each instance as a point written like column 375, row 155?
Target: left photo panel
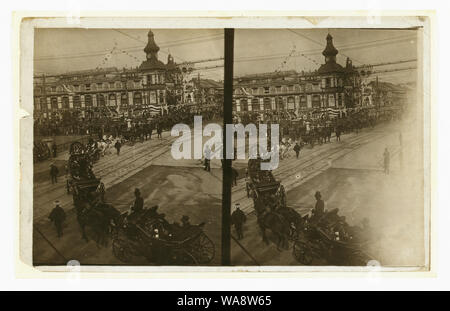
column 126, row 168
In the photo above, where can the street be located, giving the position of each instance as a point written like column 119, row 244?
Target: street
column 177, row 187
column 349, row 174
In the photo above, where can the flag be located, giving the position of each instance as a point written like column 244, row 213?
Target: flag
column 245, row 92
column 154, row 110
column 67, row 89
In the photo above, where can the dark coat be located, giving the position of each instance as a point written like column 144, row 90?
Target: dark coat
column 238, row 218
column 57, row 215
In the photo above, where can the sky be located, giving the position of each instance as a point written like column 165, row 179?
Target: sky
column 256, row 50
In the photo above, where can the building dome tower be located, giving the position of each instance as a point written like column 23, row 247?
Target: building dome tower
column 330, row 51
column 151, row 51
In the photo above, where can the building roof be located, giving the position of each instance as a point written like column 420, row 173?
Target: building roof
column 208, row 83
column 152, row 64
column 330, row 67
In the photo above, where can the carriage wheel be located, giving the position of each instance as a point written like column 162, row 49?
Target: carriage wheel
column 203, row 249
column 122, row 250
column 302, row 252
column 182, row 257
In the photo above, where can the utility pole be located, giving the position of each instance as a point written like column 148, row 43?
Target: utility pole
column 226, row 170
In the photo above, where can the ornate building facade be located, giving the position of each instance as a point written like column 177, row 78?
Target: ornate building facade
column 331, row 85
column 110, row 90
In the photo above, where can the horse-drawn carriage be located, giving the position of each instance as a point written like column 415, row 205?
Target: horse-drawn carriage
column 41, row 151
column 147, row 233
column 327, row 236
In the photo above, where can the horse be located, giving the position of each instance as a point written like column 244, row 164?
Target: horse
column 267, row 218
column 97, row 215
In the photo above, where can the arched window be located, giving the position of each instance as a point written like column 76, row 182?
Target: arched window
column 54, row 102
column 88, row 100
column 123, row 99
column 137, row 98
column 112, row 100
column 65, row 102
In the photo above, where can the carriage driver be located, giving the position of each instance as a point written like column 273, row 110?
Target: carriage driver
column 138, row 201
column 319, row 209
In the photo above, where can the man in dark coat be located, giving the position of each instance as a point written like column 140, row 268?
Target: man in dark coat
column 138, row 201
column 238, row 219
column 234, row 174
column 57, row 216
column 54, row 149
column 54, row 173
column 297, row 149
column 338, row 133
column 159, row 129
column 118, row 145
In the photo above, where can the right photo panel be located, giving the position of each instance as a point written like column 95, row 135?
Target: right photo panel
column 336, row 177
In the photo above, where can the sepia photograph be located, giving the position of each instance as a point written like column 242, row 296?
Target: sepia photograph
column 276, row 147
column 348, row 188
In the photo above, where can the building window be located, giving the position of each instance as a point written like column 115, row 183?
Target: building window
column 244, row 105
column 255, row 104
column 266, row 90
column 88, row 100
column 112, row 99
column 137, row 98
column 100, row 100
column 65, row 102
column 54, row 103
column 43, row 103
column 124, row 99
column 278, row 89
column 267, row 105
column 303, row 102
column 99, row 86
column 76, row 101
column 291, row 88
column 111, row 85
column 118, row 85
column 53, row 89
column 87, row 87
column 106, row 85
